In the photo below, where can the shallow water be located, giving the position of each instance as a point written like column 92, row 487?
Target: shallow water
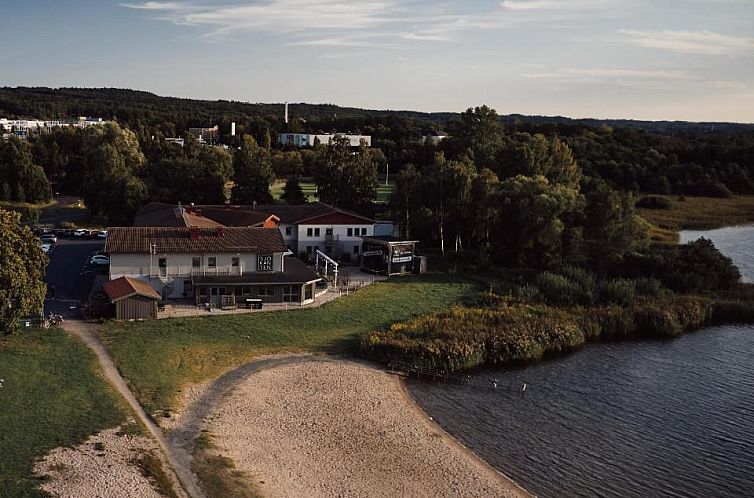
column 633, row 419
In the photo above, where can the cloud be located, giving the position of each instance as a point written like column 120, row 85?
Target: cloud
column 613, row 76
column 531, row 5
column 691, row 42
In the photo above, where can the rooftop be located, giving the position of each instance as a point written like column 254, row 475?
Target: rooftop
column 124, row 287
column 143, row 240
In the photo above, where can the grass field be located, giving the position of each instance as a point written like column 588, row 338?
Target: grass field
column 310, row 190
column 701, row 213
column 50, row 396
column 160, row 357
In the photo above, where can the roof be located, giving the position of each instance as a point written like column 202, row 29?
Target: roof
column 233, row 216
column 302, row 213
column 156, row 214
column 296, row 272
column 139, row 240
column 388, row 239
column 124, row 287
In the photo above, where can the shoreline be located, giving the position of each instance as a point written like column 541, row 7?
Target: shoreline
column 320, row 424
column 452, row 441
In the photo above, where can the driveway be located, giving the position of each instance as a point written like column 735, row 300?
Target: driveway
column 70, row 273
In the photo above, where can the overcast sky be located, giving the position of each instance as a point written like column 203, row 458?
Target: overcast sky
column 643, row 59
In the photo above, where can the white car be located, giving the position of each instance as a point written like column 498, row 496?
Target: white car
column 46, row 247
column 81, row 232
column 102, row 234
column 99, row 259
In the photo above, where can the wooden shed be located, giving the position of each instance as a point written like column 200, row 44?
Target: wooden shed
column 133, row 299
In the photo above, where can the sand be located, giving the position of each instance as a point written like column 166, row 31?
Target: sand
column 323, row 426
column 102, row 466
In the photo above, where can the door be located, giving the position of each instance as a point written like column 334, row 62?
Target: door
column 214, row 295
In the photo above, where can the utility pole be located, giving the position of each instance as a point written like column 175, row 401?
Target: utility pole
column 387, row 173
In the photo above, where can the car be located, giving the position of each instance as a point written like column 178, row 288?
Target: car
column 102, row 234
column 81, row 233
column 49, row 238
column 46, row 248
column 99, row 260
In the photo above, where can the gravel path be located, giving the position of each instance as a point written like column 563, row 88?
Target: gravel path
column 179, row 460
column 320, row 426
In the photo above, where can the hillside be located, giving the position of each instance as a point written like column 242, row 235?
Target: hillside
column 132, row 106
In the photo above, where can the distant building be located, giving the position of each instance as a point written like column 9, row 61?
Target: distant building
column 308, row 139
column 435, row 137
column 24, row 128
column 206, row 135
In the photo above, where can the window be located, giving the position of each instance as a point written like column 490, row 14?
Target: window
column 309, row 232
column 308, row 249
column 288, row 230
column 162, row 262
column 350, row 232
column 246, row 290
column 212, row 261
column 328, row 231
column 265, row 291
column 316, row 232
column 196, row 262
column 235, row 261
column 264, row 262
column 363, row 231
column 356, row 249
column 291, row 293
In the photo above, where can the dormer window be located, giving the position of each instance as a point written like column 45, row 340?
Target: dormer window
column 264, row 262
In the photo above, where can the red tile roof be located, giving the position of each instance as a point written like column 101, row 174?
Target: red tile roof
column 124, row 287
column 141, row 240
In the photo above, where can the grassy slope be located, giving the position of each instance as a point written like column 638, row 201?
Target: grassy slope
column 160, row 357
column 701, row 213
column 51, row 397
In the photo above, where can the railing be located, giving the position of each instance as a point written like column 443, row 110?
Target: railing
column 193, row 271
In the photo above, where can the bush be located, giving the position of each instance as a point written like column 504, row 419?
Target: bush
column 654, row 202
column 529, row 294
column 559, row 289
column 616, row 291
column 647, row 286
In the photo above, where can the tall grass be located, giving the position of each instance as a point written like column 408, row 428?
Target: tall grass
column 463, row 338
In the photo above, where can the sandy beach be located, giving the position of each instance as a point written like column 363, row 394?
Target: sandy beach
column 323, row 426
column 103, row 466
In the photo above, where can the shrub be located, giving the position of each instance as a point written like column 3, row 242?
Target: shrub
column 528, row 293
column 647, row 286
column 654, row 202
column 558, row 289
column 616, row 291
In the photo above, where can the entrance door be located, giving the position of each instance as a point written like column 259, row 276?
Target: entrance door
column 214, row 295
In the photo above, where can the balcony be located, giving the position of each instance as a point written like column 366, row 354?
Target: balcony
column 194, row 271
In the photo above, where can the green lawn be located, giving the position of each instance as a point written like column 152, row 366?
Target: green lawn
column 385, row 191
column 159, row 357
column 310, row 190
column 51, row 396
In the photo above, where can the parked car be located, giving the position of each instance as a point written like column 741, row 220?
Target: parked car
column 49, row 238
column 81, row 233
column 46, row 248
column 99, row 260
column 102, row 234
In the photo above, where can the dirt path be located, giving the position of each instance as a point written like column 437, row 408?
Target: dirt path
column 178, row 457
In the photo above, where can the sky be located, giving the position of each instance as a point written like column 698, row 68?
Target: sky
column 639, row 59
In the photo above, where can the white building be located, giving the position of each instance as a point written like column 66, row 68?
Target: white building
column 24, row 128
column 210, row 264
column 308, row 140
column 305, row 228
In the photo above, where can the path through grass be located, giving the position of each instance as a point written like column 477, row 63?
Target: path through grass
column 50, row 396
column 159, row 357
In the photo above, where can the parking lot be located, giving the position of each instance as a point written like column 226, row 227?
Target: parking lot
column 70, row 274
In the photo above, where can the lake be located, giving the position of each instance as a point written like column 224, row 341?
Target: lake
column 632, row 419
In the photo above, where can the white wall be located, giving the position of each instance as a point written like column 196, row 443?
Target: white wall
column 342, row 242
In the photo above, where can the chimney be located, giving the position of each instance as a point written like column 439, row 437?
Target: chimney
column 286, row 113
column 233, row 129
column 195, row 233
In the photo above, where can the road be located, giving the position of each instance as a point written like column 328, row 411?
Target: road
column 70, row 273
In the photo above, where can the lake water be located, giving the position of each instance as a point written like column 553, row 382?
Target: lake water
column 634, row 419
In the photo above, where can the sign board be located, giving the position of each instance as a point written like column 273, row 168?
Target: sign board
column 372, row 253
column 403, row 259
